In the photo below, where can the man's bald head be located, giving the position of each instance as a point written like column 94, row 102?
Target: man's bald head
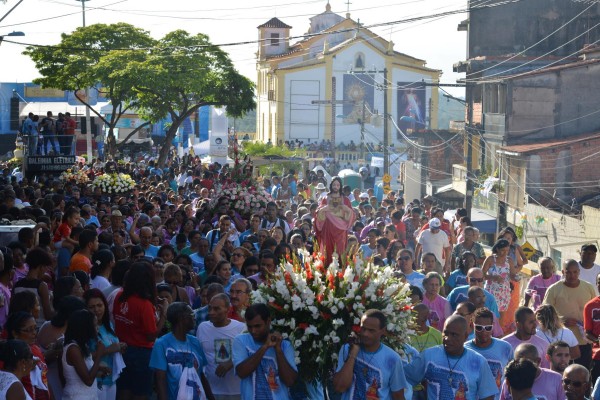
column 527, row 351
column 457, row 320
column 578, row 372
column 475, row 272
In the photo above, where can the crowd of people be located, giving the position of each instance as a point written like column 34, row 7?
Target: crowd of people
column 147, row 294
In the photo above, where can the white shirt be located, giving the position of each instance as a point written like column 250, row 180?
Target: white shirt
column 217, row 344
column 434, row 243
column 589, row 275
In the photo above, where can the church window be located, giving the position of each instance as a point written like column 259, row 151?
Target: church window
column 274, row 39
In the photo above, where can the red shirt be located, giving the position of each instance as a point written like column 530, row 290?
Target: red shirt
column 70, row 125
column 135, row 319
column 63, row 231
column 591, row 323
column 233, row 314
column 34, row 392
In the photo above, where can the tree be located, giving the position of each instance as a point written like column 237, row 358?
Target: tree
column 94, row 57
column 184, row 72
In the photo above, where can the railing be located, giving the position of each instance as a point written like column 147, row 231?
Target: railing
column 43, row 145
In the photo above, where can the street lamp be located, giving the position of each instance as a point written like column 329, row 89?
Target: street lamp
column 14, row 33
column 88, row 120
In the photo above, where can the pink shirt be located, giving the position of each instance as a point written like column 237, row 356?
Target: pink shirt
column 439, row 310
column 547, row 386
column 537, row 341
column 537, row 286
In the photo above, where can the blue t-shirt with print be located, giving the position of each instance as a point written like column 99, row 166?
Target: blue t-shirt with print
column 457, row 278
column 459, row 294
column 448, row 377
column 264, row 383
column 375, row 375
column 498, row 354
column 172, row 355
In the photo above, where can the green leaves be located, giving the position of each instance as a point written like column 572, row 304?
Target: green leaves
column 170, row 77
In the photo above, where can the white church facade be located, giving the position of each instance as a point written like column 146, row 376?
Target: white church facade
column 323, row 86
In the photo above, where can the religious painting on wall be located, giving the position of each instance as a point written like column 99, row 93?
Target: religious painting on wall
column 412, row 103
column 359, row 88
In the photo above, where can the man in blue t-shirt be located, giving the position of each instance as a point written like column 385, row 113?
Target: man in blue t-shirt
column 368, row 369
column 459, row 293
column 177, row 353
column 262, row 359
column 497, row 352
column 451, row 370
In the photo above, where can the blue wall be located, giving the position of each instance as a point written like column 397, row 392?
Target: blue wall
column 6, row 93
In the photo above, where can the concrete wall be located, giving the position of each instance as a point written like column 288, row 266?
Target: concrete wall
column 513, row 27
column 556, row 235
column 553, row 105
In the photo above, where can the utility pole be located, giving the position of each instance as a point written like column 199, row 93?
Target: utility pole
column 469, row 135
column 88, row 120
column 386, row 116
column 362, row 132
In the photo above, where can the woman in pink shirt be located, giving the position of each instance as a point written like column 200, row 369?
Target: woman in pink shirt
column 439, row 307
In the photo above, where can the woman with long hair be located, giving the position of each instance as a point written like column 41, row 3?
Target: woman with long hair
column 79, row 368
column 21, row 326
column 516, row 254
column 498, row 270
column 551, row 329
column 103, row 261
column 96, row 303
column 17, row 363
column 135, row 312
column 51, row 338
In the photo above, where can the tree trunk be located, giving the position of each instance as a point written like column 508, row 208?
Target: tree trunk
column 166, row 147
column 111, row 143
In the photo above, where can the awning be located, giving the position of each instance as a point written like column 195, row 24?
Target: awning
column 42, row 107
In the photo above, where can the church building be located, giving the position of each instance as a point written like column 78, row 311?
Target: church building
column 334, row 77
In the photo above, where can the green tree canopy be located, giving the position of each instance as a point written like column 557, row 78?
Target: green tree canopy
column 184, row 72
column 94, row 57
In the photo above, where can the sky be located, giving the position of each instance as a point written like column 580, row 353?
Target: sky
column 434, row 39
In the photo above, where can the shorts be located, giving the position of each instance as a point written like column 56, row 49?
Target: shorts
column 137, row 377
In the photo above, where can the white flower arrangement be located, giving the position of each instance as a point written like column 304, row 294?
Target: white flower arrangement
column 317, row 308
column 114, row 183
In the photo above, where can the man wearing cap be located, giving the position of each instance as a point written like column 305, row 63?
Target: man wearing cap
column 588, row 269
column 434, row 240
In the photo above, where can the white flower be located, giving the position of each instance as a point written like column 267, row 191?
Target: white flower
column 298, row 343
column 334, row 310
